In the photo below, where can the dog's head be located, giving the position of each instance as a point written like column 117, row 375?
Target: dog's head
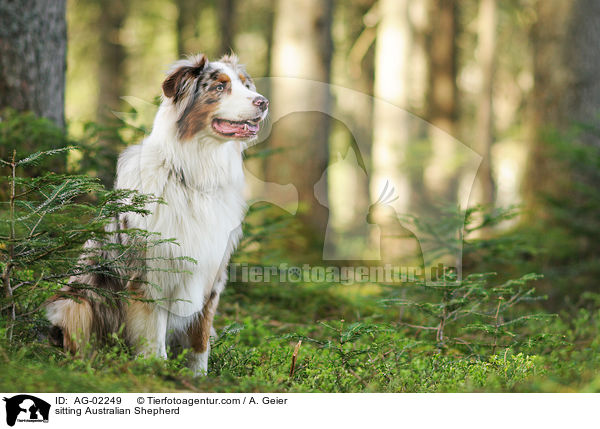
column 214, row 98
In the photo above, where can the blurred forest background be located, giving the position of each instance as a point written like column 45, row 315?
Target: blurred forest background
column 514, row 80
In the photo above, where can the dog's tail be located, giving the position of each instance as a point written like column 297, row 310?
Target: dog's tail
column 81, row 315
column 72, row 321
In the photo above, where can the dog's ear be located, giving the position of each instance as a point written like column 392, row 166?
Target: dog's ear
column 172, row 83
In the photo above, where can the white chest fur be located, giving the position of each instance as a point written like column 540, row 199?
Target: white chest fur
column 201, row 183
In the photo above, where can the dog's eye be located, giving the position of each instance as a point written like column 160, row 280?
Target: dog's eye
column 220, row 87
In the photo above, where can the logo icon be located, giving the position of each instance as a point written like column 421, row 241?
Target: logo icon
column 26, row 408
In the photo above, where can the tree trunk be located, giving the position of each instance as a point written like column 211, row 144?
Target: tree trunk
column 302, row 48
column 187, row 27
column 486, row 53
column 550, row 83
column 226, row 10
column 393, row 131
column 33, row 39
column 442, row 100
column 112, row 55
column 566, row 90
column 350, row 140
column 418, row 72
column 392, row 53
column 441, row 178
column 581, row 103
column 562, row 178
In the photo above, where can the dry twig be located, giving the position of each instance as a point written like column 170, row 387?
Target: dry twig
column 294, row 357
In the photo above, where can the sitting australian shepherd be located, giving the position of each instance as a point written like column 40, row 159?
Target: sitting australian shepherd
column 192, row 160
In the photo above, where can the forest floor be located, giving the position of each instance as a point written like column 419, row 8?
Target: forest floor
column 350, row 343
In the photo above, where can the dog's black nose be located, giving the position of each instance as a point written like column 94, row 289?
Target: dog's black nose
column 261, row 102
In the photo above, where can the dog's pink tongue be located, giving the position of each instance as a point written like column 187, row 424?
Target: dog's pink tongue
column 229, row 127
column 236, row 128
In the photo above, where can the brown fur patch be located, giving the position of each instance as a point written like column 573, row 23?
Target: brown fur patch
column 245, row 78
column 199, row 331
column 135, row 286
column 223, row 78
column 196, row 117
column 137, row 310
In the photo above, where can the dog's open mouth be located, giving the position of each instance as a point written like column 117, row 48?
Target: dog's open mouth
column 238, row 129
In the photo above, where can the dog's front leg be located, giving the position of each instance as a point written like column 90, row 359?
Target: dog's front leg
column 199, row 335
column 147, row 328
